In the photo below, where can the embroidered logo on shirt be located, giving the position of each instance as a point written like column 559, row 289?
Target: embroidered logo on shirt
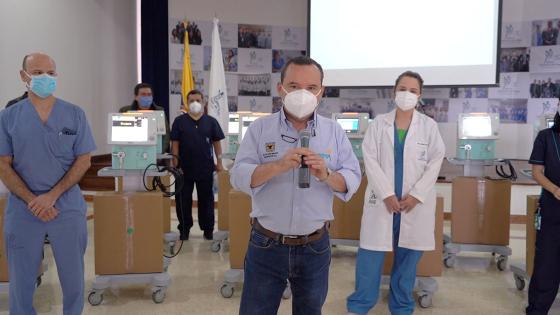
column 270, row 150
column 372, row 198
column 327, row 154
column 270, row 146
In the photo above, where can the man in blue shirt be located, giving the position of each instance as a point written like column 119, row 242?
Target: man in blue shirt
column 45, row 146
column 289, row 239
column 195, row 137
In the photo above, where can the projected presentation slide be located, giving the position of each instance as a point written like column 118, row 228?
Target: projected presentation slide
column 369, row 43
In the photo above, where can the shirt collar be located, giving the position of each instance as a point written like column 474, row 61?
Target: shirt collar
column 285, row 123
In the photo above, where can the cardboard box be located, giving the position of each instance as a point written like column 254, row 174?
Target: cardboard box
column 431, row 263
column 239, row 228
column 224, row 188
column 348, row 215
column 166, row 214
column 128, row 232
column 480, row 210
column 3, row 258
column 531, row 233
column 166, row 180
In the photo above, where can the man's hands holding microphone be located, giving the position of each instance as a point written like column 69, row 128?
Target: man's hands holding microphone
column 316, row 164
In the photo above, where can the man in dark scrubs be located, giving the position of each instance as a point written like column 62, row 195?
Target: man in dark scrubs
column 195, row 139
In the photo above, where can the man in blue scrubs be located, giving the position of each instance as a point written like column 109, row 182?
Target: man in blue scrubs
column 195, row 137
column 289, row 239
column 45, row 146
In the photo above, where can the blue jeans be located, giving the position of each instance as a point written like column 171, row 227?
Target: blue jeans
column 268, row 267
column 369, row 268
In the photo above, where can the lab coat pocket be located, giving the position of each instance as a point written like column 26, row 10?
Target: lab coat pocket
column 422, row 151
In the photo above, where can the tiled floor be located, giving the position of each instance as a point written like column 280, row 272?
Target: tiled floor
column 474, row 286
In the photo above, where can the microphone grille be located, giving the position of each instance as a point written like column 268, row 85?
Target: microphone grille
column 304, row 134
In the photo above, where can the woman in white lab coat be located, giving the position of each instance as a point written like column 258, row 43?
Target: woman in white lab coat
column 403, row 152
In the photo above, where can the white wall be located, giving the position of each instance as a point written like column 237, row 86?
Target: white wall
column 267, row 12
column 93, row 43
column 540, row 9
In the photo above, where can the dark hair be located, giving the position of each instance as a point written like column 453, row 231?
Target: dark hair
column 137, row 87
column 142, row 86
column 301, row 61
column 195, row 92
column 410, row 74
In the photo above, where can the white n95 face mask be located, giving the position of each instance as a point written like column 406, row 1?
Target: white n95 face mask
column 195, row 108
column 406, row 100
column 300, row 103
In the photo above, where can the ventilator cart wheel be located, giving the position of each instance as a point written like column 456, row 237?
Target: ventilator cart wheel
column 519, row 282
column 501, row 263
column 425, row 300
column 449, row 262
column 227, row 290
column 95, row 298
column 158, row 296
column 216, row 246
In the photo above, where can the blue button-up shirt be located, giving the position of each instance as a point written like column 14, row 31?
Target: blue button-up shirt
column 279, row 204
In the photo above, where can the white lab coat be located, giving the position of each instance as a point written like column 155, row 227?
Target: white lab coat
column 423, row 154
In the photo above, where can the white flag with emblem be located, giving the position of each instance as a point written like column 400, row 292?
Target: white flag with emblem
column 217, row 92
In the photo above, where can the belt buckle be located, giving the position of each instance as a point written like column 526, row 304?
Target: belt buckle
column 284, row 237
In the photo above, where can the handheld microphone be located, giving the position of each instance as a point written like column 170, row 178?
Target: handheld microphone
column 304, row 175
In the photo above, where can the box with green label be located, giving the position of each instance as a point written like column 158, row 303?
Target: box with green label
column 128, row 229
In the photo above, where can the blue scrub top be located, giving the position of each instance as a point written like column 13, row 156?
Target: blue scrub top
column 546, row 152
column 196, row 144
column 44, row 152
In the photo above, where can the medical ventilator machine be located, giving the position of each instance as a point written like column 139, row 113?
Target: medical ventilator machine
column 137, row 139
column 137, row 145
column 476, row 148
column 355, row 125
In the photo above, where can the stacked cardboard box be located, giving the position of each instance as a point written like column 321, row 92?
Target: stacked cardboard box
column 224, row 188
column 239, row 227
column 128, row 232
column 480, row 211
column 166, row 180
column 348, row 215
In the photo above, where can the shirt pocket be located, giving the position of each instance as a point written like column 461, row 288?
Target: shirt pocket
column 62, row 145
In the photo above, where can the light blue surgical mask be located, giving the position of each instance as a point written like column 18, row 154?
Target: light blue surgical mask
column 42, row 85
column 145, row 101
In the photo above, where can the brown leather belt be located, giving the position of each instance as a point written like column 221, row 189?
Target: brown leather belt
column 291, row 240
